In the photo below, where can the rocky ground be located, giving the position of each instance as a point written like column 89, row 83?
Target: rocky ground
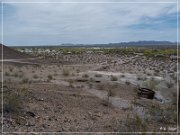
column 90, row 93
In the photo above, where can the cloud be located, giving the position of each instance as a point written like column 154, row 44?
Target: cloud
column 55, row 23
column 89, row 1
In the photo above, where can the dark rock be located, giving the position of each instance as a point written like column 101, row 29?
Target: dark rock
column 30, row 113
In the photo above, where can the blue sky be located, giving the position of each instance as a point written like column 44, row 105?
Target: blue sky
column 56, row 23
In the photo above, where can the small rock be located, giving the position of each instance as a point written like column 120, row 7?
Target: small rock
column 30, row 113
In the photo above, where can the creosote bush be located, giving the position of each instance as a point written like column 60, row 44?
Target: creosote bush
column 50, row 77
column 127, row 82
column 10, row 69
column 114, row 78
column 35, row 76
column 151, row 84
column 166, row 115
column 111, row 93
column 98, row 75
column 14, row 100
column 6, row 74
column 15, row 74
column 12, row 103
column 65, row 72
column 136, row 124
column 25, row 80
column 169, row 84
column 85, row 76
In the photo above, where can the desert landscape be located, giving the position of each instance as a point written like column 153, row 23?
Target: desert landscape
column 89, row 89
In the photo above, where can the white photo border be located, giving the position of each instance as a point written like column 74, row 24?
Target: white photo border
column 80, row 2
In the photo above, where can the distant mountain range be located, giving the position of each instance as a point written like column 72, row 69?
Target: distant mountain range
column 121, row 44
column 149, row 43
column 133, row 43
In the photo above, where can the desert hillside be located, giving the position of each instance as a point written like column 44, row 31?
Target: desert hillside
column 9, row 53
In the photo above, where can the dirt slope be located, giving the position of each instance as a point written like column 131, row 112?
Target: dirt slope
column 9, row 53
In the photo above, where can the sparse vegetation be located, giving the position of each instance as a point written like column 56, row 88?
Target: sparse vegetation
column 13, row 103
column 151, row 84
column 100, row 85
column 127, row 82
column 50, row 77
column 92, row 80
column 167, row 115
column 98, row 75
column 36, row 76
column 111, row 93
column 15, row 74
column 71, row 83
column 85, row 76
column 105, row 101
column 114, row 78
column 6, row 74
column 14, row 99
column 25, row 80
column 136, row 124
column 169, row 84
column 77, row 70
column 65, row 72
column 11, row 69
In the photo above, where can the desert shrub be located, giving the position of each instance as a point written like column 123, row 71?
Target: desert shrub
column 149, row 74
column 114, row 78
column 65, row 72
column 14, row 100
column 111, row 93
column 169, row 84
column 105, row 101
column 100, row 86
column 50, row 77
column 10, row 69
column 92, row 80
column 71, row 83
column 20, row 75
column 6, row 74
column 127, row 82
column 35, row 76
column 136, row 124
column 15, row 74
column 98, row 75
column 157, row 70
column 174, row 77
column 12, row 103
column 174, row 98
column 151, row 84
column 33, row 71
column 139, row 78
column 25, row 80
column 90, row 85
column 143, row 78
column 85, row 76
column 77, row 70
column 167, row 115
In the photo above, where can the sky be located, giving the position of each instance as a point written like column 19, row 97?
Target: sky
column 87, row 23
